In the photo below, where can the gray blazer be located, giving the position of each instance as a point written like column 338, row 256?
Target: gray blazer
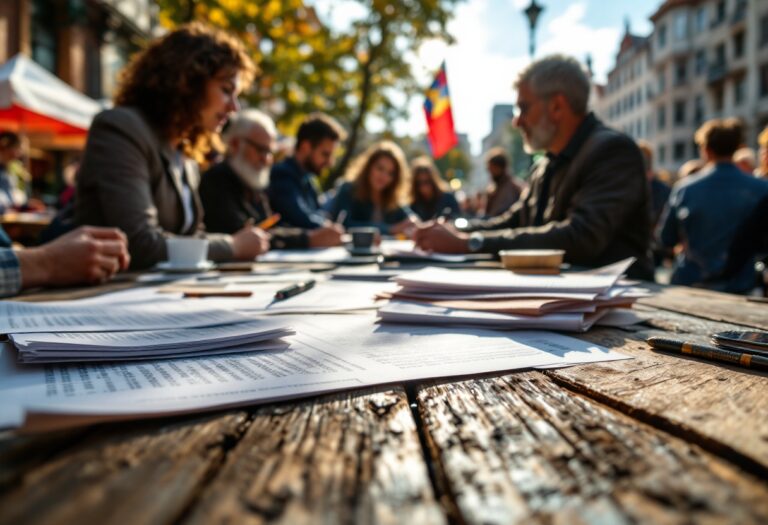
column 127, row 180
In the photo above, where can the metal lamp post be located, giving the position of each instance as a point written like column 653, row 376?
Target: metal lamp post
column 532, row 12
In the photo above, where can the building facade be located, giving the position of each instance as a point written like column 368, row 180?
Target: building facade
column 83, row 42
column 704, row 59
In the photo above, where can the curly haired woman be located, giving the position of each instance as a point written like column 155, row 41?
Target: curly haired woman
column 140, row 172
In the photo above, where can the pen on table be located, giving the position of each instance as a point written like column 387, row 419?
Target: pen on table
column 294, row 289
column 269, row 221
column 709, row 352
column 217, row 293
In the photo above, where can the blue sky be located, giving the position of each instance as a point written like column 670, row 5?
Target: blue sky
column 492, row 46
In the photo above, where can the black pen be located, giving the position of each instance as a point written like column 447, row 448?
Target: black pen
column 709, row 352
column 294, row 289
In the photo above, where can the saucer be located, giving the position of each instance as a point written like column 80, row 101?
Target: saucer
column 166, row 266
column 364, row 251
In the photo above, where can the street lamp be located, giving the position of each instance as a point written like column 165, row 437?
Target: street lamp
column 532, row 12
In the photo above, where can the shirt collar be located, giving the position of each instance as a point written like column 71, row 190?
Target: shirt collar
column 578, row 139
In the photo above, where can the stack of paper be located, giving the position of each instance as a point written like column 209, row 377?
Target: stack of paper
column 505, row 300
column 60, row 332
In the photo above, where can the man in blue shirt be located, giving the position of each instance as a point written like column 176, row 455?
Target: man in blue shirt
column 293, row 189
column 705, row 211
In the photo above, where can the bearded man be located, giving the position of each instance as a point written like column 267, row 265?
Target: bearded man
column 588, row 194
column 233, row 192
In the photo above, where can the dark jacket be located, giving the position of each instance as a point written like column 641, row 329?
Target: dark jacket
column 293, row 193
column 445, row 203
column 591, row 200
column 705, row 212
column 229, row 203
column 127, row 180
column 360, row 213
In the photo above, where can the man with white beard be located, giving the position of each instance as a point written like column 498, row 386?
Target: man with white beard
column 233, row 192
column 588, row 194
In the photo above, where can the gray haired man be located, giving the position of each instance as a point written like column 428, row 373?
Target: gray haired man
column 233, row 192
column 588, row 194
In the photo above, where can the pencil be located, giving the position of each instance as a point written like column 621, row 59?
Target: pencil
column 269, row 221
column 711, row 353
column 218, row 293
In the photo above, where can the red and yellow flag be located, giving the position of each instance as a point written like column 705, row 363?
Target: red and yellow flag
column 437, row 108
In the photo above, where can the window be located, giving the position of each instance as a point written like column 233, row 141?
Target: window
column 738, row 44
column 720, row 54
column 661, row 118
column 678, row 152
column 701, row 19
column 662, row 154
column 718, row 98
column 740, row 91
column 698, row 110
column 764, row 30
column 679, row 113
column 44, row 37
column 681, row 72
column 662, row 36
column 700, row 62
column 719, row 13
column 763, row 81
column 662, row 81
column 681, row 26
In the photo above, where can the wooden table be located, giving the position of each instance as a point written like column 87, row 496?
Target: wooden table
column 658, row 439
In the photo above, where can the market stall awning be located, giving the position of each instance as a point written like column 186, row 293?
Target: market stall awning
column 35, row 102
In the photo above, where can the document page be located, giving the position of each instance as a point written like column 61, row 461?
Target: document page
column 18, row 317
column 329, row 353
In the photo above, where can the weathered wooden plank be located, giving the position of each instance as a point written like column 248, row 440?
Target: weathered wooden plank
column 521, row 449
column 125, row 473
column 721, row 407
column 709, row 305
column 347, row 458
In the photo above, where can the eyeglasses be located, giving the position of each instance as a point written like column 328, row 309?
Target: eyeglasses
column 264, row 150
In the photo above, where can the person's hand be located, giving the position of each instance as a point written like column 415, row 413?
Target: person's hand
column 249, row 241
column 88, row 254
column 406, row 226
column 440, row 236
column 325, row 236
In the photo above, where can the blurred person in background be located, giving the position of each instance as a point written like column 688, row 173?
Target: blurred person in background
column 762, row 161
column 15, row 181
column 659, row 190
column 706, row 209
column 505, row 190
column 294, row 191
column 745, row 160
column 430, row 195
column 376, row 191
column 140, row 168
column 233, row 192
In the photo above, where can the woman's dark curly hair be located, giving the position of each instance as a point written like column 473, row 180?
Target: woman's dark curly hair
column 167, row 80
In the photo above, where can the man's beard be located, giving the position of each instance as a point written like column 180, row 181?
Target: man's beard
column 256, row 179
column 540, row 136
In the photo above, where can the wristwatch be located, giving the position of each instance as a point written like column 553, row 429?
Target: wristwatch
column 475, row 242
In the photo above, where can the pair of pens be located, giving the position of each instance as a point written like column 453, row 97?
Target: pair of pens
column 709, row 352
column 294, row 289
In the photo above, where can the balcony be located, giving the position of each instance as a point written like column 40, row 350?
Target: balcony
column 716, row 72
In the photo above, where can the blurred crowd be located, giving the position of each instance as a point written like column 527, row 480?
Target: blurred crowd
column 153, row 169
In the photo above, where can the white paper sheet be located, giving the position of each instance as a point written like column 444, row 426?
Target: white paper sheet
column 18, row 317
column 329, row 353
column 422, row 313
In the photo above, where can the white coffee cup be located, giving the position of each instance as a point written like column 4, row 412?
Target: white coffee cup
column 186, row 252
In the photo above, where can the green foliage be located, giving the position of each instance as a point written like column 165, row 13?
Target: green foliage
column 306, row 66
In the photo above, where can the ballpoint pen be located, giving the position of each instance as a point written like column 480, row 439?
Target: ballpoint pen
column 294, row 289
column 709, row 352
